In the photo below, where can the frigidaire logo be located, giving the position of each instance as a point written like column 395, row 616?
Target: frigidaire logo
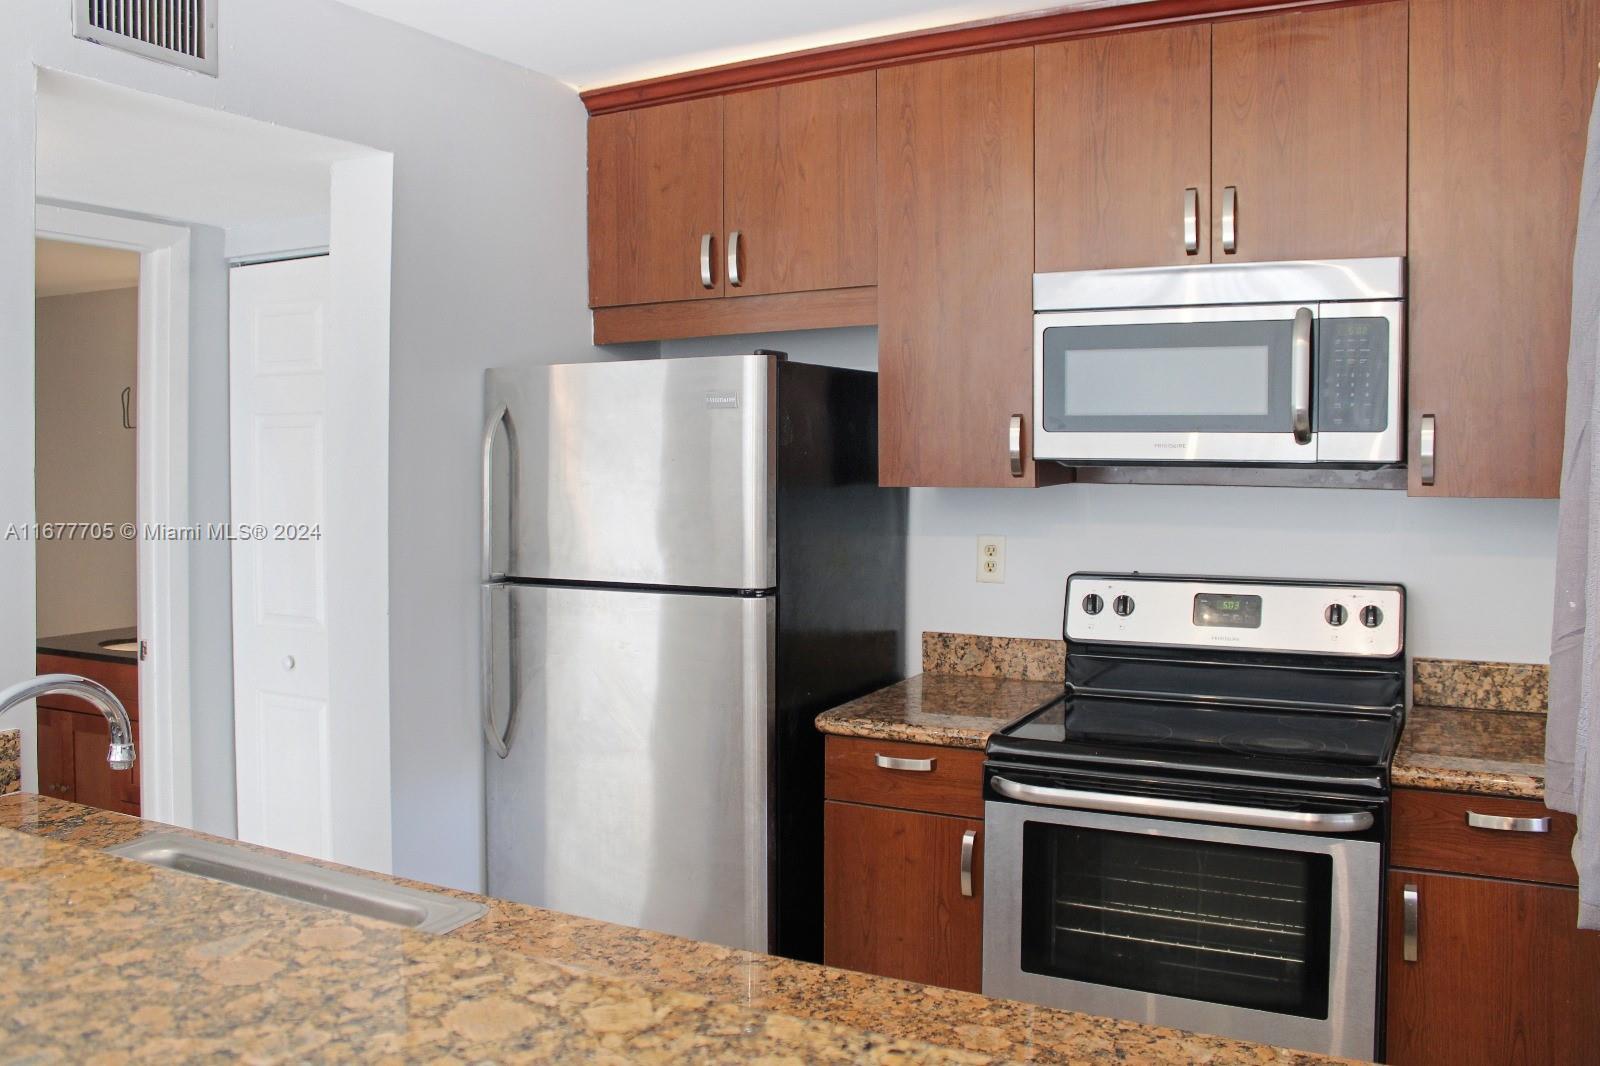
column 722, row 399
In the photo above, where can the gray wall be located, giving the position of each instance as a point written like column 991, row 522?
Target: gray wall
column 1480, row 573
column 489, row 269
column 86, row 347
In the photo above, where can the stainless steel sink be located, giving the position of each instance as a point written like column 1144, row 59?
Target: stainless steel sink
column 427, row 912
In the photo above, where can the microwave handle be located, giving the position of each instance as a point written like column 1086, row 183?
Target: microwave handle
column 1300, row 375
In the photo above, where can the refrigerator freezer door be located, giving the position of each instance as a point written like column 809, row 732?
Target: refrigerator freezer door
column 634, row 787
column 652, row 472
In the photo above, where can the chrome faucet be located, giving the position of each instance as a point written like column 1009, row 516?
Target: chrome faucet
column 121, row 754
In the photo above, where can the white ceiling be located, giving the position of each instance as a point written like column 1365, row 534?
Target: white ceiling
column 60, row 268
column 113, row 147
column 603, row 42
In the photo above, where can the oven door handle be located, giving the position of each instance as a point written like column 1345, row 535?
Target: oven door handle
column 1186, row 810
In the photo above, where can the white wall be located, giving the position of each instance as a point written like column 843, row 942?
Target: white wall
column 86, row 348
column 1480, row 573
column 489, row 269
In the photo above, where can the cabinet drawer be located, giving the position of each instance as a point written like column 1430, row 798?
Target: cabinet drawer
column 916, row 777
column 121, row 678
column 1432, row 832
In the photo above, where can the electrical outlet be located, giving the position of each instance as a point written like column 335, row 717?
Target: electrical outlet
column 992, row 559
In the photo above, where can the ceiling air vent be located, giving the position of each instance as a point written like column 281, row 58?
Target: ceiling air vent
column 180, row 32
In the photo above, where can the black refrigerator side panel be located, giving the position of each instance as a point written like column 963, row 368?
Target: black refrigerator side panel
column 841, row 613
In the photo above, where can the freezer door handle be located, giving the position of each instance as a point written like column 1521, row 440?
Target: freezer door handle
column 499, row 738
column 491, row 430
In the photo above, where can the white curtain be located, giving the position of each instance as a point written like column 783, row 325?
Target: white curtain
column 1572, row 748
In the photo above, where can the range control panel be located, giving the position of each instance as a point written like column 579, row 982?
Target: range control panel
column 1249, row 614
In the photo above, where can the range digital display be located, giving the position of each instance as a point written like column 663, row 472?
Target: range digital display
column 1227, row 610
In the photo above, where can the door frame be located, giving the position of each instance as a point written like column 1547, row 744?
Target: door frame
column 162, row 464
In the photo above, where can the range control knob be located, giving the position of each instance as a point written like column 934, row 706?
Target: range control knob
column 1093, row 604
column 1371, row 616
column 1336, row 614
column 1123, row 605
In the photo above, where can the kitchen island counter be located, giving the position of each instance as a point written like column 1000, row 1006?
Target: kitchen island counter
column 198, row 969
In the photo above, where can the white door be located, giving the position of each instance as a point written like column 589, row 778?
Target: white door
column 283, row 736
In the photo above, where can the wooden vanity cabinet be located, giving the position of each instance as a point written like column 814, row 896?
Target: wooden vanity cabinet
column 72, row 737
column 903, row 885
column 1500, row 100
column 1497, row 970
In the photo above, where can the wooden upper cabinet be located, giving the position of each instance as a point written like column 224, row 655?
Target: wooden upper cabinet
column 1309, row 127
column 799, row 188
column 955, row 268
column 655, row 194
column 1500, row 97
column 1122, row 133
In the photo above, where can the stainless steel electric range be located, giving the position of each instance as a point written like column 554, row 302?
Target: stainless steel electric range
column 1193, row 834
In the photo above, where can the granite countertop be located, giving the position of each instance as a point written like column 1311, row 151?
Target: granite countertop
column 197, row 969
column 951, row 710
column 1448, row 749
column 88, row 645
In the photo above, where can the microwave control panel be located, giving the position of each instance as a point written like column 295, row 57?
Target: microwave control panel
column 1353, row 375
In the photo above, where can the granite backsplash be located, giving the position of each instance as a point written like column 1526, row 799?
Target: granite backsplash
column 10, row 760
column 1474, row 685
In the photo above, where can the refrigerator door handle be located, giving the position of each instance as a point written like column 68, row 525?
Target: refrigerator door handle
column 501, row 417
column 499, row 739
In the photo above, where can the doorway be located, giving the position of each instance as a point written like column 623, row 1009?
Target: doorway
column 86, row 342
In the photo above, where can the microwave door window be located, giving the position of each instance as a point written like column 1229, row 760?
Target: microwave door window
column 1216, row 377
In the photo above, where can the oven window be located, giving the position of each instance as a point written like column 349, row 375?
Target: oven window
column 1247, row 927
column 1221, row 377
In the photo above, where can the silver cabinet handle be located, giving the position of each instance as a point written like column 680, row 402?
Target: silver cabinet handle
column 1191, row 221
column 500, row 419
column 1187, row 810
column 969, row 840
column 1408, row 923
column 706, row 278
column 1426, row 444
column 735, row 275
column 1230, row 219
column 920, row 766
column 1014, row 445
column 1506, row 824
column 1300, row 376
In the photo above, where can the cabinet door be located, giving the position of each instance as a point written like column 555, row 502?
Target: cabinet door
column 1500, row 97
column 1309, row 127
column 97, row 785
column 801, row 170
column 1502, row 974
column 54, row 747
column 955, row 269
column 1122, row 132
column 655, row 196
column 893, row 903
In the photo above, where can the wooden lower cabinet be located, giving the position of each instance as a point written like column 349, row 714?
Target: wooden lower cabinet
column 893, row 898
column 72, row 762
column 1502, row 974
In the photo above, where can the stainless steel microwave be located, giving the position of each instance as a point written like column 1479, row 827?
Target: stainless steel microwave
column 1262, row 363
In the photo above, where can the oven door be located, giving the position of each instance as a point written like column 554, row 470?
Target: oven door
column 1177, row 384
column 1248, row 933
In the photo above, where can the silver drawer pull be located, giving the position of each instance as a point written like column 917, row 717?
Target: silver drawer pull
column 1427, row 446
column 1408, row 922
column 1014, row 445
column 735, row 276
column 889, row 762
column 707, row 279
column 1230, row 219
column 1506, row 824
column 969, row 840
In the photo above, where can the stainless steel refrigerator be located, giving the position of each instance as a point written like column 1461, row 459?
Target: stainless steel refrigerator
column 684, row 562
